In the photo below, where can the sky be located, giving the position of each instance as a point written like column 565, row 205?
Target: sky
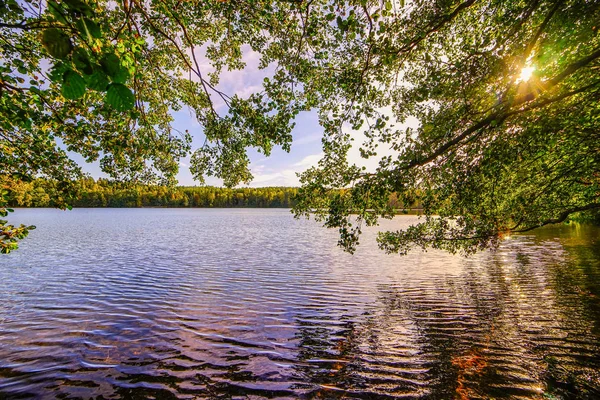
column 280, row 168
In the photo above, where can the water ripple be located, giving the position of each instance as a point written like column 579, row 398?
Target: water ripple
column 251, row 304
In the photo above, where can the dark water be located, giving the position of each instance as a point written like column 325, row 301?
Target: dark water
column 159, row 303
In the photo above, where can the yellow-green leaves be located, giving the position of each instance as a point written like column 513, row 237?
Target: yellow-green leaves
column 10, row 234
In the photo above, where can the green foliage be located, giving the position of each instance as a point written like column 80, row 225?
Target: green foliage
column 105, row 193
column 57, row 43
column 492, row 154
column 102, row 79
column 73, row 86
column 120, row 97
column 10, row 234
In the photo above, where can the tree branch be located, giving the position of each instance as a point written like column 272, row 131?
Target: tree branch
column 561, row 217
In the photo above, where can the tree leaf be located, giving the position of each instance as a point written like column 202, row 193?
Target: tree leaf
column 120, row 97
column 82, row 61
column 79, row 7
column 89, row 29
column 121, row 76
column 57, row 43
column 98, row 80
column 111, row 64
column 73, row 86
column 56, row 11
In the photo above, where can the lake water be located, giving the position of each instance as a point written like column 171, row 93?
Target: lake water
column 214, row 303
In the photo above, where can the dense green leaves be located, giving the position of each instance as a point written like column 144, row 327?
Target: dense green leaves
column 89, row 28
column 110, row 64
column 82, row 61
column 492, row 153
column 97, row 81
column 103, row 193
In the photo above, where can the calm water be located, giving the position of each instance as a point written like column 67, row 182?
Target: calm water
column 173, row 303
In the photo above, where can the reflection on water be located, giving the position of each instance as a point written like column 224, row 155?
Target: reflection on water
column 252, row 304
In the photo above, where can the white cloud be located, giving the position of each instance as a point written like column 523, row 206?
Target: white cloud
column 242, row 82
column 309, row 161
column 286, row 177
column 311, row 138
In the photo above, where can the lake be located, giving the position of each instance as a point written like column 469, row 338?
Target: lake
column 250, row 303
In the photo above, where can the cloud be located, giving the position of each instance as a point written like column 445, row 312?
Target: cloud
column 286, row 177
column 308, row 139
column 241, row 82
column 309, row 161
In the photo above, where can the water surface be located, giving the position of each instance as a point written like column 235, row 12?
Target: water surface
column 209, row 303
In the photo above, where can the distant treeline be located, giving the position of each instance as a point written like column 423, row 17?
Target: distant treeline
column 105, row 193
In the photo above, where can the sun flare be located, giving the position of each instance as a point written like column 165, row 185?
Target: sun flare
column 526, row 74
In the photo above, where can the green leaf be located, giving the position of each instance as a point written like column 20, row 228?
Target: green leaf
column 120, row 97
column 88, row 29
column 121, row 76
column 56, row 11
column 79, row 7
column 57, row 71
column 98, row 80
column 82, row 61
column 111, row 64
column 73, row 86
column 57, row 43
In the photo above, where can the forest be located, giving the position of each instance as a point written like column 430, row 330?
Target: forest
column 106, row 193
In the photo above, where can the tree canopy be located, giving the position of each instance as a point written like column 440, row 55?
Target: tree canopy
column 505, row 92
column 507, row 98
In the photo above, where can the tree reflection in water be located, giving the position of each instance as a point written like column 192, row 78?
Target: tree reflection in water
column 522, row 322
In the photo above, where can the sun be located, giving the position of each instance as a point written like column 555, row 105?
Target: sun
column 526, row 74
